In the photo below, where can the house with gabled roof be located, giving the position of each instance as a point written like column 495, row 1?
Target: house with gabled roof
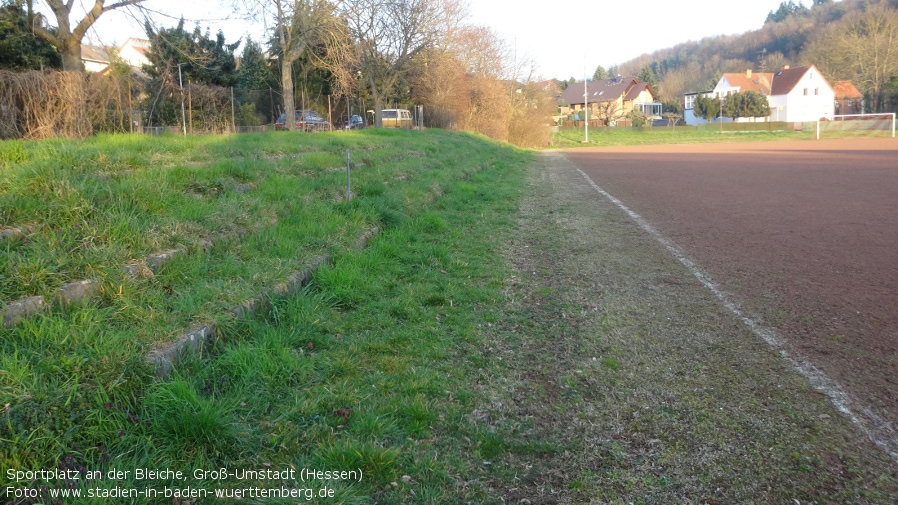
column 759, row 82
column 133, row 51
column 94, row 58
column 800, row 94
column 849, row 99
column 794, row 94
column 744, row 81
column 611, row 99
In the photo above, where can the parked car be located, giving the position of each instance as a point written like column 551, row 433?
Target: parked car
column 308, row 120
column 396, row 118
column 354, row 122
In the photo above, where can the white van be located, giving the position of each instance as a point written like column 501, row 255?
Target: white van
column 396, row 118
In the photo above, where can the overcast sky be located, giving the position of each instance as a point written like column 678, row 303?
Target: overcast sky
column 563, row 38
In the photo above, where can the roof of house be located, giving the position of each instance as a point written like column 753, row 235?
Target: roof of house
column 634, row 91
column 749, row 81
column 94, row 53
column 785, row 80
column 598, row 91
column 846, row 89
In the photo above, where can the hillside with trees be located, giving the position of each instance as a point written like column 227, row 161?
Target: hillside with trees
column 854, row 40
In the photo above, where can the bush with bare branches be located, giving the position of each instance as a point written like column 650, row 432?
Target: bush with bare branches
column 37, row 105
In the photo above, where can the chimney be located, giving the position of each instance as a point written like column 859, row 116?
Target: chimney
column 748, row 74
column 786, row 67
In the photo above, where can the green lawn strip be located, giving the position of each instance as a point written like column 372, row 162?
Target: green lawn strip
column 65, row 407
column 569, row 136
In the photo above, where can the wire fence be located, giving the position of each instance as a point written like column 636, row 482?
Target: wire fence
column 48, row 104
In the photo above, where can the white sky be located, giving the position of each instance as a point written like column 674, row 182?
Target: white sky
column 564, row 39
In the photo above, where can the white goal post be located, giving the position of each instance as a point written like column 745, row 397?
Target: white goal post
column 857, row 124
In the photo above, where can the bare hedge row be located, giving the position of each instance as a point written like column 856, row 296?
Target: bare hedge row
column 36, row 105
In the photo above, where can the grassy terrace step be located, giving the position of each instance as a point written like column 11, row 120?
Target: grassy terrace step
column 75, row 380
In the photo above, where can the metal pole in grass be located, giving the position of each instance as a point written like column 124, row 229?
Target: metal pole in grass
column 348, row 181
column 181, row 85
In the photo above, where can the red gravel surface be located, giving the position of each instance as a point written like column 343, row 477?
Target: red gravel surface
column 802, row 234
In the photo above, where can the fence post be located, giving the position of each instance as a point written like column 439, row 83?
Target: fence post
column 190, row 106
column 233, row 115
column 348, row 180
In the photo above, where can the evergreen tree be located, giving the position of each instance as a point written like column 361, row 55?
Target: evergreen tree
column 706, row 107
column 256, row 82
column 647, row 75
column 20, row 49
column 600, row 74
column 202, row 60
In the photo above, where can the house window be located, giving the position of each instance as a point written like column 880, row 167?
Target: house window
column 806, row 92
column 816, row 91
column 690, row 101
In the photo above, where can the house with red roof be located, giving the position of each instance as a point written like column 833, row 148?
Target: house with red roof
column 849, row 99
column 800, row 94
column 794, row 94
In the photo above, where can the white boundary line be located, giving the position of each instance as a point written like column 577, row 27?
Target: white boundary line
column 875, row 427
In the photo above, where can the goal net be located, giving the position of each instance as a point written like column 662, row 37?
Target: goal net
column 857, row 125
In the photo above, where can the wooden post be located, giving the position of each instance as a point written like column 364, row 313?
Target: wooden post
column 189, row 107
column 130, row 108
column 348, row 179
column 330, row 115
column 233, row 115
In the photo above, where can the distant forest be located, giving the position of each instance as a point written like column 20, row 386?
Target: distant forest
column 854, row 40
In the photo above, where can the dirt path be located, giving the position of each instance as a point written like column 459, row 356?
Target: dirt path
column 627, row 381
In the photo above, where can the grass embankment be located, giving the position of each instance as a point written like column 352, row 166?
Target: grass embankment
column 350, row 374
column 498, row 342
column 570, row 136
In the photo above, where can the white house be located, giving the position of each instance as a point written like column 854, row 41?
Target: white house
column 800, row 94
column 95, row 58
column 133, row 51
column 794, row 94
column 741, row 82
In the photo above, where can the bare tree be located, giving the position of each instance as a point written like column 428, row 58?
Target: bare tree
column 67, row 39
column 389, row 35
column 314, row 30
column 864, row 48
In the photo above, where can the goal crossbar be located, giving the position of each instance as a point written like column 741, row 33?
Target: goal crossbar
column 888, row 117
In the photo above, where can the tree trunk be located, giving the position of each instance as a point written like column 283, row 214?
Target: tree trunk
column 289, row 103
column 71, row 54
column 378, row 108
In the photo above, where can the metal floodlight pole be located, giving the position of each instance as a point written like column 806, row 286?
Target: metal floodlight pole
column 585, row 108
column 183, row 115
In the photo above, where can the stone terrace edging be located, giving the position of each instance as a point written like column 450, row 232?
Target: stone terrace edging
column 164, row 359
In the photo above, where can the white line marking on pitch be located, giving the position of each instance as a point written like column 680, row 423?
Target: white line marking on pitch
column 875, row 427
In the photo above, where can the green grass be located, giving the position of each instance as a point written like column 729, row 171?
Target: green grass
column 458, row 358
column 570, row 136
column 372, row 336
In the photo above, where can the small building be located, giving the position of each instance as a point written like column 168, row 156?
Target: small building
column 848, row 99
column 800, row 94
column 689, row 116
